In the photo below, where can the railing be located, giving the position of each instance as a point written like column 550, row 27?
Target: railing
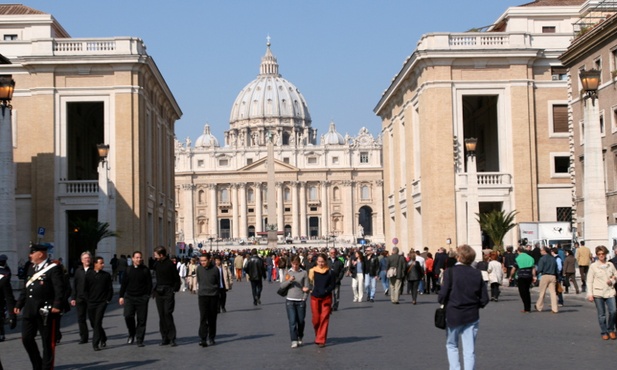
column 79, row 188
column 487, row 180
column 416, row 187
column 493, row 40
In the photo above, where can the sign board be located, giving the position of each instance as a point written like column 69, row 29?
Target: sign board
column 395, row 241
column 41, row 232
column 362, row 241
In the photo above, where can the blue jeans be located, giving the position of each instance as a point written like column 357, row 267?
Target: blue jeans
column 385, row 282
column 606, row 326
column 369, row 286
column 269, row 274
column 468, row 335
column 296, row 311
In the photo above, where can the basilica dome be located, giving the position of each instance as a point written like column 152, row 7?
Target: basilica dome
column 206, row 139
column 332, row 137
column 269, row 100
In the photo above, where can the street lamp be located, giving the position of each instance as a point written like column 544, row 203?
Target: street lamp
column 594, row 191
column 103, row 150
column 474, row 233
column 211, row 239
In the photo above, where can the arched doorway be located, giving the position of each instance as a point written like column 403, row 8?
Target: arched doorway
column 365, row 219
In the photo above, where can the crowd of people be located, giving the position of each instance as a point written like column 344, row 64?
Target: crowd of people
column 308, row 276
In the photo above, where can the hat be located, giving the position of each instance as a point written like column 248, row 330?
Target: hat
column 3, row 257
column 38, row 247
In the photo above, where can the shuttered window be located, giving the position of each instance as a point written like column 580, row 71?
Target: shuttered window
column 560, row 118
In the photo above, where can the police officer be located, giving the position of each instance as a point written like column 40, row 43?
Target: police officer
column 40, row 303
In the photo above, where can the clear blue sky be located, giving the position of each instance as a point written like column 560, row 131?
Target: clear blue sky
column 341, row 54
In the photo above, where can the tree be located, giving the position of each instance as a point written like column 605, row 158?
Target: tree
column 90, row 232
column 496, row 225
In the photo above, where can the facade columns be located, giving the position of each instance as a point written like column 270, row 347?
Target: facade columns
column 350, row 215
column 378, row 211
column 294, row 209
column 242, row 231
column 235, row 209
column 258, row 209
column 303, row 220
column 325, row 209
column 213, row 223
column 280, row 208
column 188, row 226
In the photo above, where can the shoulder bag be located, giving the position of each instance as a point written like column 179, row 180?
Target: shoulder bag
column 440, row 312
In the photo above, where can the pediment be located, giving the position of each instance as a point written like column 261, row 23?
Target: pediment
column 260, row 166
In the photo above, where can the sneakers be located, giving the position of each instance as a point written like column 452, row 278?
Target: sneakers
column 294, row 344
column 300, row 341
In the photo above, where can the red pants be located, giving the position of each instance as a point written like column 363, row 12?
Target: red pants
column 321, row 309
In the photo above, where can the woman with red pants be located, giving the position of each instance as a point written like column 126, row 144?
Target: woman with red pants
column 323, row 281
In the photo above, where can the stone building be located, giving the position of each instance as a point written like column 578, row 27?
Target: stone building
column 327, row 187
column 71, row 95
column 506, row 87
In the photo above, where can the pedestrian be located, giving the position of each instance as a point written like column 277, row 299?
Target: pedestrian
column 323, row 282
column 356, row 269
column 396, row 274
column 429, row 278
column 40, row 303
column 338, row 268
column 601, row 280
column 238, row 265
column 225, row 284
column 208, row 279
column 371, row 274
column 181, row 267
column 191, row 278
column 583, row 258
column 256, row 273
column 414, row 274
column 122, row 265
column 114, row 267
column 66, row 306
column 569, row 272
column 135, row 292
column 99, row 290
column 383, row 268
column 525, row 272
column 269, row 261
column 463, row 293
column 547, row 269
column 7, row 299
column 167, row 284
column 79, row 300
column 439, row 265
column 297, row 281
column 495, row 275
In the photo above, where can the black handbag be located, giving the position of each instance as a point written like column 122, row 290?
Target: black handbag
column 440, row 317
column 283, row 291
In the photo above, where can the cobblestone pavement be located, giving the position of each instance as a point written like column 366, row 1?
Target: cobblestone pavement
column 362, row 335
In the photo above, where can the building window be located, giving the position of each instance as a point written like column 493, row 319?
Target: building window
column 286, row 195
column 10, row 37
column 224, row 196
column 224, row 162
column 549, row 29
column 224, row 210
column 251, row 210
column 334, row 160
column 560, row 118
column 250, row 196
column 201, row 197
column 312, row 160
column 365, row 193
column 336, row 192
column 286, row 160
column 564, row 214
column 313, row 209
column 559, row 73
column 200, row 163
column 364, row 157
column 560, row 164
column 602, row 131
column 312, row 193
column 249, row 161
column 287, row 209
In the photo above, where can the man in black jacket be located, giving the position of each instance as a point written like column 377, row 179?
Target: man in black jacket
column 371, row 273
column 256, row 272
column 167, row 283
column 40, row 303
column 99, row 290
column 208, row 279
column 135, row 292
column 338, row 269
column 79, row 299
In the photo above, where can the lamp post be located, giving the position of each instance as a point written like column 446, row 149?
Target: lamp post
column 8, row 214
column 211, row 239
column 474, row 233
column 594, row 191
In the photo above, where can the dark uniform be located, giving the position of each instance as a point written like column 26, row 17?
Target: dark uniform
column 40, row 295
column 136, row 289
column 81, row 301
column 99, row 290
column 167, row 283
column 6, row 299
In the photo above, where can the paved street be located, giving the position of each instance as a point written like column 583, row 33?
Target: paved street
column 362, row 335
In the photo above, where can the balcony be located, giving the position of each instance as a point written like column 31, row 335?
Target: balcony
column 489, row 183
column 492, row 40
column 78, row 192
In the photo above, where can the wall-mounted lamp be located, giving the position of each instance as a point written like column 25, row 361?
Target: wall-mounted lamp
column 590, row 81
column 470, row 145
column 7, row 87
column 103, row 150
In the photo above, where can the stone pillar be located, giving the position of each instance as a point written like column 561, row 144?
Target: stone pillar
column 258, row 209
column 8, row 222
column 294, row 209
column 349, row 214
column 303, row 218
column 325, row 209
column 188, row 212
column 280, row 207
column 213, row 206
column 235, row 210
column 474, row 233
column 378, row 211
column 243, row 231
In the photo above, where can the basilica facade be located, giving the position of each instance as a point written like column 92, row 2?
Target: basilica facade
column 328, row 186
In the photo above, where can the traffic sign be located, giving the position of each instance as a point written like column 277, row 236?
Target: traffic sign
column 41, row 232
column 395, row 241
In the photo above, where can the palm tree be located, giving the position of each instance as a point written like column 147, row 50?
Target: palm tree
column 496, row 225
column 90, row 232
